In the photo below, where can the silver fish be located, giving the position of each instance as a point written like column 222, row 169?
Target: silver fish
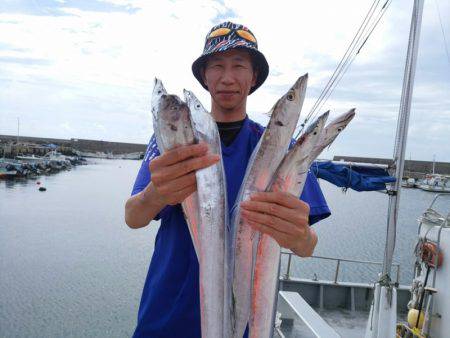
column 262, row 165
column 331, row 131
column 173, row 128
column 289, row 177
column 213, row 235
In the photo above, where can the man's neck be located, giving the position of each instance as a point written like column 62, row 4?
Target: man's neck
column 228, row 115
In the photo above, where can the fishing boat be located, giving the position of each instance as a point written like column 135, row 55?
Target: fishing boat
column 331, row 308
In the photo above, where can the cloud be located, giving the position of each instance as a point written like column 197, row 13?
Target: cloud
column 85, row 64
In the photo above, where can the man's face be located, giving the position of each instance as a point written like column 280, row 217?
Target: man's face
column 229, row 77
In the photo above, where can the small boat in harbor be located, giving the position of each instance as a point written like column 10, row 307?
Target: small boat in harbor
column 409, row 183
column 7, row 173
column 436, row 183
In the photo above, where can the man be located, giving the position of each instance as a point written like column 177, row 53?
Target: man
column 230, row 68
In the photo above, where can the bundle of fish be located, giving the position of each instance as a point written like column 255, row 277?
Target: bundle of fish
column 238, row 265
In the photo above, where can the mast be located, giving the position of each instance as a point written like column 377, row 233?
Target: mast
column 18, row 128
column 402, row 134
column 383, row 313
column 434, row 163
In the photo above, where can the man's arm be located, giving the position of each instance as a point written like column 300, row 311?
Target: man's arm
column 143, row 207
column 172, row 180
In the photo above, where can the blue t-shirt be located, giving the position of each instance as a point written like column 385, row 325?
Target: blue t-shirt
column 170, row 299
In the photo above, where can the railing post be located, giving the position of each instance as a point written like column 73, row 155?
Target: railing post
column 287, row 275
column 337, row 270
column 398, row 273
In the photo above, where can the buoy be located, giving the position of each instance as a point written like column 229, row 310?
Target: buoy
column 412, row 318
column 42, row 189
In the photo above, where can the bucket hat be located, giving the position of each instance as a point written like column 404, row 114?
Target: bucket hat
column 226, row 36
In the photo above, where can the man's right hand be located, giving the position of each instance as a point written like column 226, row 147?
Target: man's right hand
column 172, row 180
column 173, row 173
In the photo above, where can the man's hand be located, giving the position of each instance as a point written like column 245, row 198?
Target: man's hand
column 173, row 173
column 282, row 216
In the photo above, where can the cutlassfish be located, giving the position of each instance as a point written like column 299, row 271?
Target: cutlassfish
column 213, row 232
column 290, row 177
column 173, row 128
column 262, row 165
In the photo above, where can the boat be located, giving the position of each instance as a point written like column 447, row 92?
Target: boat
column 409, row 182
column 436, row 183
column 7, row 173
column 30, row 159
column 429, row 305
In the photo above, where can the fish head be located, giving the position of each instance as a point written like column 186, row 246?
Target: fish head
column 174, row 120
column 286, row 111
column 158, row 92
column 318, row 124
column 334, row 128
column 202, row 120
column 313, row 133
column 193, row 103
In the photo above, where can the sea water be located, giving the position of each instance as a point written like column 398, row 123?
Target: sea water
column 71, row 267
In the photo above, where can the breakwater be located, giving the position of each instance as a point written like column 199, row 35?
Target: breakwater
column 36, row 145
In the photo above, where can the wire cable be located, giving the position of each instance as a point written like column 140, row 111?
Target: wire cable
column 359, row 40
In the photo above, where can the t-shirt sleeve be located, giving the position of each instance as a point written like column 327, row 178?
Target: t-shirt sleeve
column 144, row 175
column 312, row 194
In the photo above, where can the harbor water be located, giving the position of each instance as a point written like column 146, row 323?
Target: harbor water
column 70, row 267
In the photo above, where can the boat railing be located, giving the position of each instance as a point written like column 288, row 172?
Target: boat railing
column 338, row 261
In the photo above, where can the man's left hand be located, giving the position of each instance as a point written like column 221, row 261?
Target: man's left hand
column 284, row 217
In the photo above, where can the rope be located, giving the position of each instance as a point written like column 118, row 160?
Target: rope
column 442, row 29
column 362, row 35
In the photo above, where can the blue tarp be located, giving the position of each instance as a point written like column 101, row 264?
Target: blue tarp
column 354, row 176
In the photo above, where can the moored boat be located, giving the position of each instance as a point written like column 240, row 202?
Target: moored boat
column 436, row 183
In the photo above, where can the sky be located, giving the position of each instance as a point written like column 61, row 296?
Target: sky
column 85, row 69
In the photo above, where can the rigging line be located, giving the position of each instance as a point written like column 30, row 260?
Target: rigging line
column 344, row 59
column 363, row 24
column 388, row 2
column 347, row 54
column 350, row 61
column 442, row 29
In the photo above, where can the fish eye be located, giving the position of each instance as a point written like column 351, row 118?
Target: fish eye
column 159, row 91
column 290, row 96
column 197, row 106
column 339, row 129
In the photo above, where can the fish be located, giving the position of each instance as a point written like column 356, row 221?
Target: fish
column 265, row 159
column 173, row 127
column 331, row 131
column 213, row 227
column 290, row 177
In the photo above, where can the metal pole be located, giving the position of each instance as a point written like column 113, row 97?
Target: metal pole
column 402, row 133
column 337, row 271
column 288, row 267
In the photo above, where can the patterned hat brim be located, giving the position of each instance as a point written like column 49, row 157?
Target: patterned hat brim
column 259, row 61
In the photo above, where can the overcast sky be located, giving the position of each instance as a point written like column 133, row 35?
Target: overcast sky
column 85, row 69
